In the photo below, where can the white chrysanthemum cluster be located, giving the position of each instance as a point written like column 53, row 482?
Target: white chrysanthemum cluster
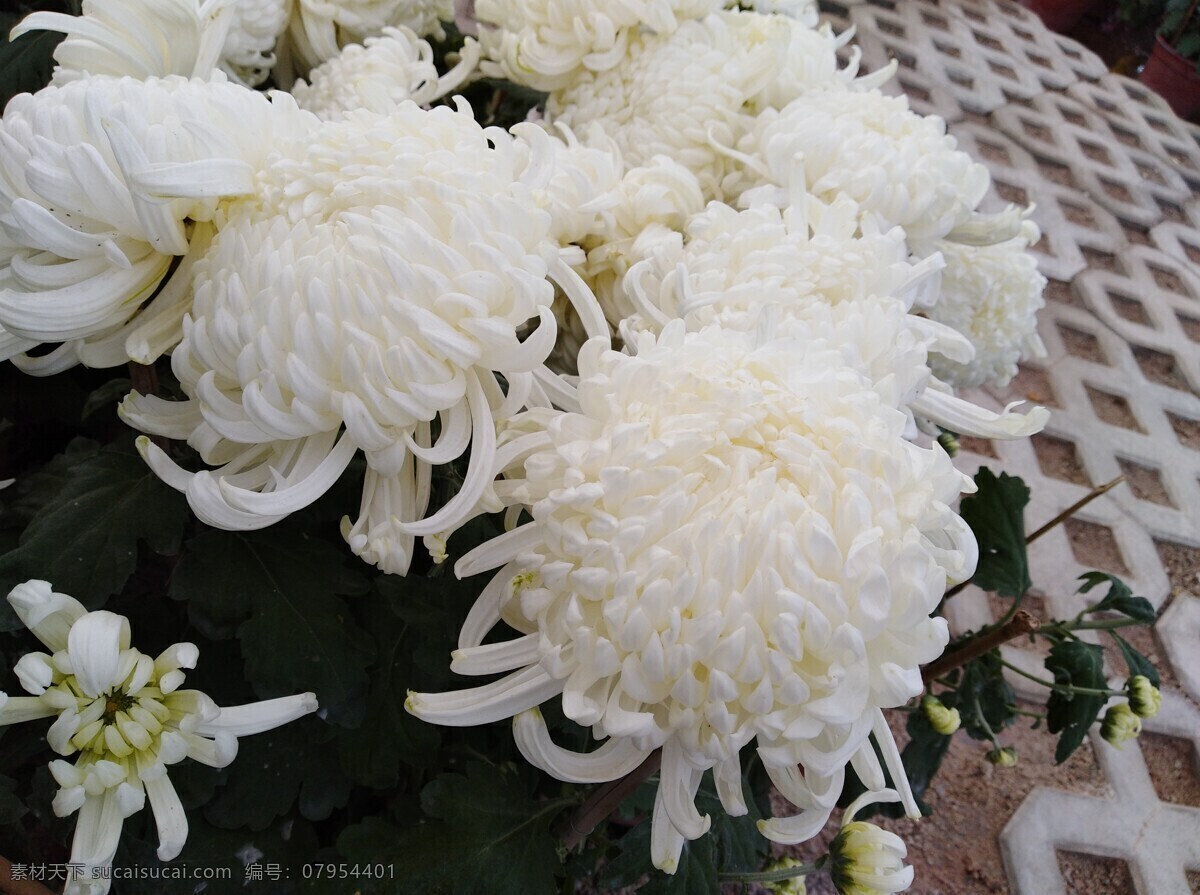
column 731, row 541
column 368, row 298
column 103, row 181
column 732, row 534
column 380, row 74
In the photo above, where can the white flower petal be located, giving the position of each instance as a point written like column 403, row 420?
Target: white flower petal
column 257, row 717
column 169, row 817
column 95, row 643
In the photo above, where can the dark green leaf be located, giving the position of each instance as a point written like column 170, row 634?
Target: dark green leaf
column 209, row 575
column 1071, row 714
column 1138, row 664
column 1119, row 597
column 487, row 837
column 923, row 754
column 369, row 840
column 12, row 809
column 995, row 514
column 695, row 875
column 85, row 539
column 739, row 844
column 390, row 738
column 275, row 768
column 300, row 634
column 26, row 63
column 109, row 394
column 982, row 688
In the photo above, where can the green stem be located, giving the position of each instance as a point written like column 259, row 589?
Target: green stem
column 1104, row 624
column 1062, row 688
column 987, row 728
column 768, row 876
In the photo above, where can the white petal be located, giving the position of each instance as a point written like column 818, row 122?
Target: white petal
column 257, row 717
column 169, row 817
column 15, row 709
column 95, row 645
column 494, row 658
column 47, row 614
column 504, row 698
column 614, row 759
column 966, row 418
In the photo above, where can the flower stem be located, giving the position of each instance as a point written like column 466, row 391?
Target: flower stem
column 604, row 800
column 1021, row 623
column 768, row 876
column 1062, row 688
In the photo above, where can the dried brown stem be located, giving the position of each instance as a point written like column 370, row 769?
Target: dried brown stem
column 1021, row 623
column 1057, row 520
column 604, row 800
column 10, row 886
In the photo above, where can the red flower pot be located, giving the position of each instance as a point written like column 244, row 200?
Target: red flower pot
column 1173, row 78
column 1059, row 15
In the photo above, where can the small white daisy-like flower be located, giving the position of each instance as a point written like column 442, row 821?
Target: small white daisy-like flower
column 103, row 181
column 381, row 73
column 547, row 44
column 897, row 165
column 377, row 287
column 124, row 715
column 991, row 294
column 731, row 542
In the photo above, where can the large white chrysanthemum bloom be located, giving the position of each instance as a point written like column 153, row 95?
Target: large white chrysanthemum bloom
column 728, row 268
column 137, row 38
column 318, row 29
column 897, row 165
column 124, row 715
column 157, row 38
column 376, row 289
column 991, row 294
column 103, row 182
column 381, row 73
column 805, row 11
column 548, row 44
column 680, row 95
column 731, row 541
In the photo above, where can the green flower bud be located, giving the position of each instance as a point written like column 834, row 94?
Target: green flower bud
column 944, row 720
column 1120, row 724
column 793, row 886
column 1144, row 698
column 1005, row 757
column 949, row 443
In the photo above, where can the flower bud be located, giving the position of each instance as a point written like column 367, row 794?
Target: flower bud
column 865, row 860
column 1120, row 724
column 949, row 442
column 792, row 886
column 1144, row 698
column 1005, row 756
column 942, row 719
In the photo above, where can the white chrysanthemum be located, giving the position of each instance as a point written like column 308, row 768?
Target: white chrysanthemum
column 582, row 194
column 679, row 95
column 380, row 283
column 380, row 74
column 249, row 51
column 124, row 714
column 318, row 29
column 730, row 267
column 102, row 182
column 137, row 38
column 805, row 11
column 897, row 165
column 805, row 58
column 991, row 294
column 654, row 202
column 731, row 541
column 547, row 44
column 157, row 38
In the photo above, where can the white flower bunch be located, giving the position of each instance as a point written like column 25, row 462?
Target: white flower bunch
column 124, row 715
